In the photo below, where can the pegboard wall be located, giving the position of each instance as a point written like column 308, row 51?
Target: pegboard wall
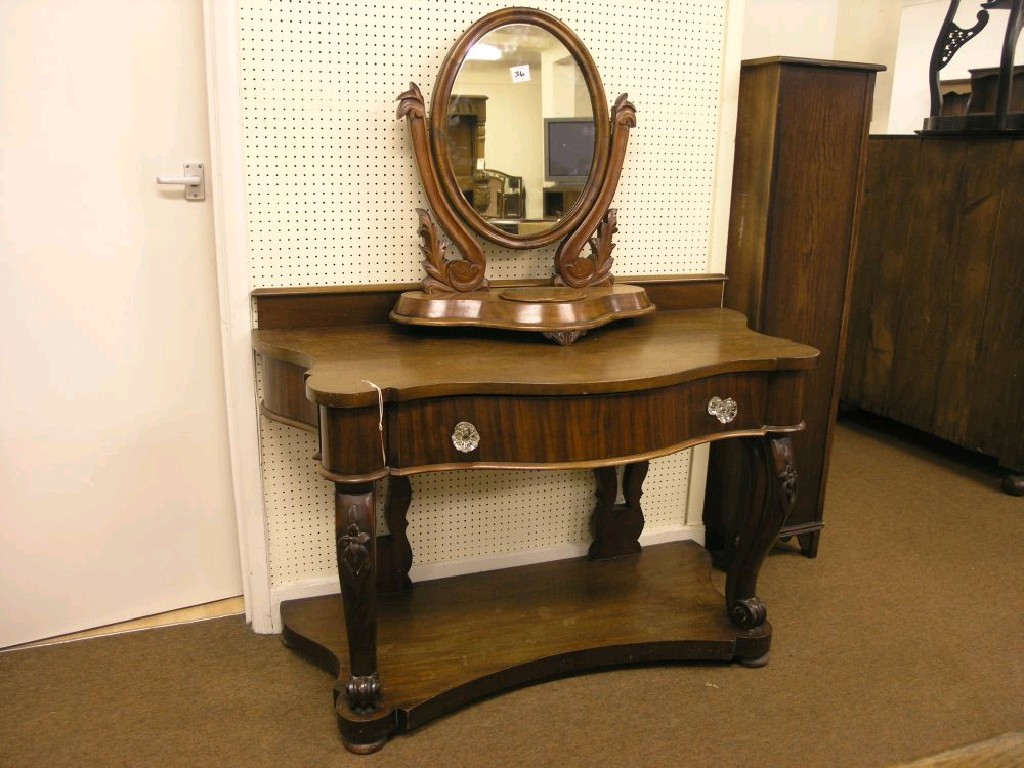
column 332, row 190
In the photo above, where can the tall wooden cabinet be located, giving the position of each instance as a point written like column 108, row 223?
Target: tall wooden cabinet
column 800, row 144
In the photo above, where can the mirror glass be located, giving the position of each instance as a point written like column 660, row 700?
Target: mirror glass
column 520, row 129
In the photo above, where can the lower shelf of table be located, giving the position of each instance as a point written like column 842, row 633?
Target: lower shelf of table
column 445, row 643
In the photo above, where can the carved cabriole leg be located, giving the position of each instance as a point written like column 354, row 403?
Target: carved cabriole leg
column 772, row 499
column 394, row 553
column 355, row 528
column 617, row 527
column 732, row 476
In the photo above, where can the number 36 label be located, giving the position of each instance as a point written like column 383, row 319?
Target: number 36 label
column 520, row 74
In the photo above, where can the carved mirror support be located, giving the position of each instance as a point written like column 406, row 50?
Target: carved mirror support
column 521, row 150
column 467, row 273
column 578, row 271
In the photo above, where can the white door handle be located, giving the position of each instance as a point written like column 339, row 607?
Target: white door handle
column 188, row 181
column 194, row 181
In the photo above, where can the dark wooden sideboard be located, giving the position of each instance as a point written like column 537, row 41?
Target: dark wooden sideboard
column 936, row 336
column 390, row 401
column 800, row 134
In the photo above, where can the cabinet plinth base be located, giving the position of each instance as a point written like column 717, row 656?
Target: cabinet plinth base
column 443, row 644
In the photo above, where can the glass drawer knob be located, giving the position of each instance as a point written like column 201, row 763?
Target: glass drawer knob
column 723, row 409
column 465, row 437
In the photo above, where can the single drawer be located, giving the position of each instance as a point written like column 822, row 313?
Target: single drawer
column 507, row 430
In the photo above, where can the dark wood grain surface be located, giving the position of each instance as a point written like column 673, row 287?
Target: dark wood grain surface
column 937, row 314
column 448, row 642
column 407, row 364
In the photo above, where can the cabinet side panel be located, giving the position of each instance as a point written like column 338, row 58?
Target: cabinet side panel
column 752, row 189
column 823, row 116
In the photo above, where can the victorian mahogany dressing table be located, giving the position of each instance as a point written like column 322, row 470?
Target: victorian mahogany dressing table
column 392, row 399
column 634, row 391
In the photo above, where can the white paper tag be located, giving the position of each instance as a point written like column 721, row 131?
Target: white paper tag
column 520, row 74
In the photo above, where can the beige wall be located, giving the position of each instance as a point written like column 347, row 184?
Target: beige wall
column 867, row 30
column 789, row 28
column 920, row 22
column 849, row 30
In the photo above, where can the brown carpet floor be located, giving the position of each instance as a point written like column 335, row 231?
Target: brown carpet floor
column 903, row 639
column 1006, row 751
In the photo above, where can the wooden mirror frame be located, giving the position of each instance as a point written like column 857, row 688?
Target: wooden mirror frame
column 439, row 105
column 572, row 306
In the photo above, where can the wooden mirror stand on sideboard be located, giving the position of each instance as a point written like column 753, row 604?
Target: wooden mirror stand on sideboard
column 801, row 130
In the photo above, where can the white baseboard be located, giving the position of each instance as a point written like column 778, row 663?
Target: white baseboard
column 431, row 571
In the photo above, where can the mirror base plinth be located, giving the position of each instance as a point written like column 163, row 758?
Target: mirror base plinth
column 560, row 314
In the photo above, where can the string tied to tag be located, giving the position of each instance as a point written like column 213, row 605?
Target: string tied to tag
column 380, row 419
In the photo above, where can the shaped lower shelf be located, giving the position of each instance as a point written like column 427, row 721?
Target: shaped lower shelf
column 445, row 643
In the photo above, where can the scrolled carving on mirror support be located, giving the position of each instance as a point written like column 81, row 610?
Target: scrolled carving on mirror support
column 445, row 275
column 468, row 273
column 578, row 271
column 594, row 270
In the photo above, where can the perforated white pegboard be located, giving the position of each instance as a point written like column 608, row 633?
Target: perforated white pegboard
column 331, row 193
column 454, row 515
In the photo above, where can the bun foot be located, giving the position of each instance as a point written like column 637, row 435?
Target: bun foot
column 760, row 661
column 364, row 736
column 1013, row 485
column 364, row 749
column 362, row 733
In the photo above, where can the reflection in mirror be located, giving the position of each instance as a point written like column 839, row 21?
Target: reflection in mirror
column 520, row 133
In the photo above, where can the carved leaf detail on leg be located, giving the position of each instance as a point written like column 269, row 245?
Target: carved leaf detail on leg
column 788, row 483
column 352, row 546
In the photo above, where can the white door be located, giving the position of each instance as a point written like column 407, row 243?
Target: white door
column 115, row 482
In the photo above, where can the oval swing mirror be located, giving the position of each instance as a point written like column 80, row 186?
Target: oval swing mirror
column 520, row 149
column 520, row 129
